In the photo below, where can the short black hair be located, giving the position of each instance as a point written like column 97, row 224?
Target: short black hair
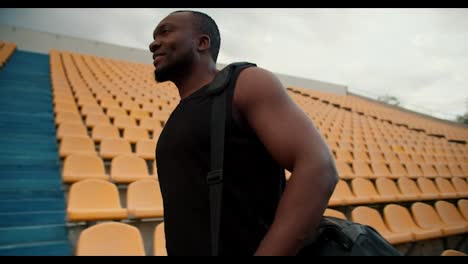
column 206, row 25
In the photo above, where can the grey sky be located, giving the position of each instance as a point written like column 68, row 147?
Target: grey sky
column 417, row 55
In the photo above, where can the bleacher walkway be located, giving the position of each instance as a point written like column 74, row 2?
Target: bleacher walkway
column 32, row 205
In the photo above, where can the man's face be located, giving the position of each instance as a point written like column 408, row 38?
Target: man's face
column 173, row 46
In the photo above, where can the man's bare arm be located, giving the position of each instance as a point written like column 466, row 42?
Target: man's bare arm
column 294, row 142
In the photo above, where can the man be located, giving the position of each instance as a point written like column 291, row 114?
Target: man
column 265, row 133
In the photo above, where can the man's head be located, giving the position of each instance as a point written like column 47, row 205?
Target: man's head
column 182, row 39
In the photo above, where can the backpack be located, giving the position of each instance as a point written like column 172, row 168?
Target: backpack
column 335, row 237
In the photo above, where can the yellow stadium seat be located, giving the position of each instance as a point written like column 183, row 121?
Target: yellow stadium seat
column 447, row 191
column 381, row 170
column 159, row 242
column 78, row 167
column 413, row 170
column 428, row 189
column 453, row 253
column 101, row 132
column 371, row 217
column 76, row 145
column 94, row 119
column 91, row 109
column 334, row 213
column 460, row 186
column 442, row 170
column 134, row 134
column 151, row 124
column 362, row 170
column 146, row 149
column 344, row 169
column 429, row 170
column 68, row 117
column 139, row 114
column 144, row 199
column 122, row 122
column 397, row 170
column 455, row 170
column 450, row 215
column 388, row 190
column 463, row 207
column 408, row 188
column 74, row 130
column 342, row 195
column 94, row 199
column 110, row 239
column 111, row 148
column 399, row 220
column 114, row 112
column 426, row 217
column 129, row 168
column 344, row 154
column 364, row 189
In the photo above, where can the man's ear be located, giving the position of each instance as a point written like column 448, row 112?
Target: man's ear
column 204, row 43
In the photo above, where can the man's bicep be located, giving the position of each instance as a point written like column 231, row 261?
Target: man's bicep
column 284, row 129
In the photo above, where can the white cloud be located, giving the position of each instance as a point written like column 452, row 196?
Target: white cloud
column 418, row 55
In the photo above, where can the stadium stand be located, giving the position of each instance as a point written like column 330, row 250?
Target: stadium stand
column 401, row 173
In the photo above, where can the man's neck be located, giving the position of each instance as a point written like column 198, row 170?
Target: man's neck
column 198, row 77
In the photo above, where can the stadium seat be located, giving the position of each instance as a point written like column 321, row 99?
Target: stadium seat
column 399, row 220
column 429, row 170
column 447, row 191
column 369, row 216
column 381, row 170
column 461, row 186
column 129, row 168
column 101, row 132
column 334, row 213
column 111, row 148
column 362, row 170
column 428, row 189
column 146, row 149
column 76, row 145
column 110, row 239
column 364, row 189
column 388, row 190
column 144, row 199
column 344, row 169
column 151, row 124
column 74, row 130
column 78, row 167
column 450, row 215
column 122, row 122
column 342, row 195
column 413, row 170
column 453, row 253
column 463, row 208
column 426, row 217
column 134, row 134
column 114, row 112
column 68, row 117
column 94, row 119
column 397, row 170
column 94, row 199
column 159, row 242
column 455, row 170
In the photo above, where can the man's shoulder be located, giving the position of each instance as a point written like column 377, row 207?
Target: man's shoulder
column 256, row 83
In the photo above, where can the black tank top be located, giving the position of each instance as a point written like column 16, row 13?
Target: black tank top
column 252, row 186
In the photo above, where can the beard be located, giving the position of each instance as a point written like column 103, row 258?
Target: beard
column 174, row 70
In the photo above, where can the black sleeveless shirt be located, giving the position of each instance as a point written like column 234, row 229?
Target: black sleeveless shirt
column 252, row 185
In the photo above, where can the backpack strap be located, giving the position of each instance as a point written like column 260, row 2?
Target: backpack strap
column 214, row 177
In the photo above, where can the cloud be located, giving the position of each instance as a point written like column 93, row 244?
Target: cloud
column 417, row 55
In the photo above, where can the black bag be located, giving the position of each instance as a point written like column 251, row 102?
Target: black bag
column 338, row 237
column 335, row 237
